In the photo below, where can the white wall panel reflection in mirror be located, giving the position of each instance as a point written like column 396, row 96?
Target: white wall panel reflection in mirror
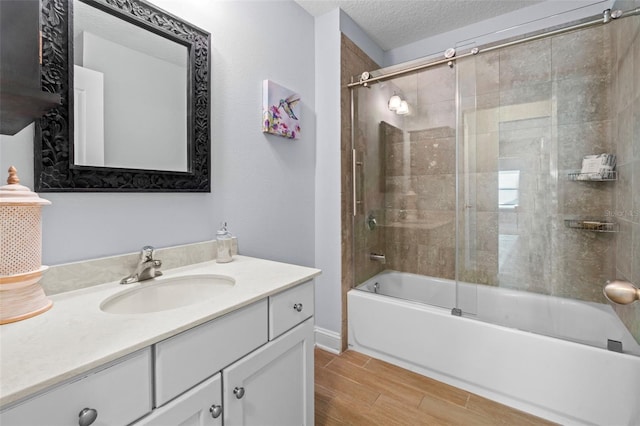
column 88, row 117
column 142, row 123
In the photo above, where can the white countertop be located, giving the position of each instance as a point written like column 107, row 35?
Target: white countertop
column 75, row 336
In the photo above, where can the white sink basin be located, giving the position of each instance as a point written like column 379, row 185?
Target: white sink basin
column 169, row 293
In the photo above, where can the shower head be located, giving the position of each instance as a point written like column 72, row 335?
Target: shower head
column 621, row 292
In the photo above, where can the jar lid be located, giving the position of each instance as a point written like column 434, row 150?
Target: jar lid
column 223, row 232
column 14, row 193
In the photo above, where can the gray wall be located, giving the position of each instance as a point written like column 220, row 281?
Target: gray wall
column 262, row 185
column 327, row 188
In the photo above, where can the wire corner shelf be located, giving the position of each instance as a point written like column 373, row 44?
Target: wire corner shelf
column 609, row 176
column 592, row 225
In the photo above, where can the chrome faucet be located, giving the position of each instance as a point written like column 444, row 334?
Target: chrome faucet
column 147, row 267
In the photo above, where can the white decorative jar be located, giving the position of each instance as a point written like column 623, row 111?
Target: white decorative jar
column 21, row 295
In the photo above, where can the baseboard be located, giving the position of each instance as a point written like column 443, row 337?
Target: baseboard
column 328, row 340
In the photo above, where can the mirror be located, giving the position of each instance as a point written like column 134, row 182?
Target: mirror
column 118, row 68
column 134, row 82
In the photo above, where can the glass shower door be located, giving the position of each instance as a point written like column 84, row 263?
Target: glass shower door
column 405, row 167
column 528, row 115
column 507, row 180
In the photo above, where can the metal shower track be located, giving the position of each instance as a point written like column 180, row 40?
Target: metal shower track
column 607, row 16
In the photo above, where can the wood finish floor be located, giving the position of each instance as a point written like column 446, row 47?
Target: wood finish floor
column 354, row 389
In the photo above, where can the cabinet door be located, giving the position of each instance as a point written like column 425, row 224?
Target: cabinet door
column 21, row 98
column 272, row 386
column 201, row 406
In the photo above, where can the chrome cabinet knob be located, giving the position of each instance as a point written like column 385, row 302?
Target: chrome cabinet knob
column 238, row 392
column 87, row 416
column 298, row 307
column 215, row 411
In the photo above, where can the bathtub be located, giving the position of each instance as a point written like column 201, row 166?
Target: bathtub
column 570, row 382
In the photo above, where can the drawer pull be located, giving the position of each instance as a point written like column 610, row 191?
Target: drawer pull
column 87, row 416
column 215, row 411
column 238, row 392
column 298, row 307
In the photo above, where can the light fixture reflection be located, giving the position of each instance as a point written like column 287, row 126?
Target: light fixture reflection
column 394, row 102
column 403, row 108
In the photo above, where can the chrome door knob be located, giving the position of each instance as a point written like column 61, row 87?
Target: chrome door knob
column 298, row 307
column 87, row 416
column 215, row 411
column 238, row 392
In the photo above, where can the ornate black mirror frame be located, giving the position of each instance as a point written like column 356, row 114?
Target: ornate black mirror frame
column 54, row 168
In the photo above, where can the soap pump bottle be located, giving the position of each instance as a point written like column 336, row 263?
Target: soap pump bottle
column 223, row 243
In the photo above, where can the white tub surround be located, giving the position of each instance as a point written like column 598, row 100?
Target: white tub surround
column 75, row 336
column 563, row 381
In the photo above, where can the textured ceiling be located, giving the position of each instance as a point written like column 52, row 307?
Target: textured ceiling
column 394, row 23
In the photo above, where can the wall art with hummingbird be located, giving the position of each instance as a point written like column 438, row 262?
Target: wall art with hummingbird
column 280, row 110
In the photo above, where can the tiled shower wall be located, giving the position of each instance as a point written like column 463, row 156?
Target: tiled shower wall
column 553, row 108
column 625, row 86
column 419, row 232
column 536, row 108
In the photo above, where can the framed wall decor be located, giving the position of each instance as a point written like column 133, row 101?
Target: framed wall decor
column 280, row 110
column 71, row 32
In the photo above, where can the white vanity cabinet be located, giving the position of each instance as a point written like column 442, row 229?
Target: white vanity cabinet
column 273, row 386
column 117, row 394
column 251, row 366
column 263, row 384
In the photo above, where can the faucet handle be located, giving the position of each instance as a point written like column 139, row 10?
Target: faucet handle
column 147, row 253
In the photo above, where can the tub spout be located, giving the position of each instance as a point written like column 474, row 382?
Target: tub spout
column 378, row 258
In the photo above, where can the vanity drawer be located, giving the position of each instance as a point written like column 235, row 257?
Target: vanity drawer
column 120, row 394
column 188, row 358
column 290, row 308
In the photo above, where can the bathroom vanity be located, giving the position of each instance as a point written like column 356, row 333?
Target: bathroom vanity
column 244, row 356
